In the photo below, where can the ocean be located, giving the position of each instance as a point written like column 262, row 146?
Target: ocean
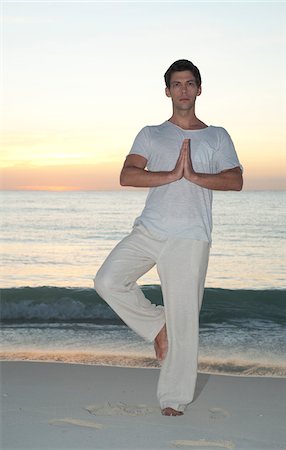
column 52, row 244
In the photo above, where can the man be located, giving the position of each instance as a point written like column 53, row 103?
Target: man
column 185, row 160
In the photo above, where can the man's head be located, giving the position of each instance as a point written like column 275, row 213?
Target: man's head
column 180, row 66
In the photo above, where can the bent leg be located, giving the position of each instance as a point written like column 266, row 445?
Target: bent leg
column 182, row 269
column 116, row 283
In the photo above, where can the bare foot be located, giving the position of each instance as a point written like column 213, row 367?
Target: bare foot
column 171, row 412
column 161, row 344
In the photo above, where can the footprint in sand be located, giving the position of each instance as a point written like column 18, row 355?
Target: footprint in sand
column 218, row 413
column 76, row 422
column 120, row 409
column 204, row 444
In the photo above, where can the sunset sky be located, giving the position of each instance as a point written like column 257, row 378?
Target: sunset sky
column 80, row 79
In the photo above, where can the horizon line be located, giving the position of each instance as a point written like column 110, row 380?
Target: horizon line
column 60, row 189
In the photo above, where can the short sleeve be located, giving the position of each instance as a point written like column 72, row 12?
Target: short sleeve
column 225, row 157
column 141, row 144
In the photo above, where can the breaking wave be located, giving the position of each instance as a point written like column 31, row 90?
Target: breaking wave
column 48, row 304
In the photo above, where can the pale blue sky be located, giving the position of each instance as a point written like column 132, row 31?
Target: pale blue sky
column 82, row 78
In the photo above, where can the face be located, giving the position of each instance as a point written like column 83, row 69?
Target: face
column 183, row 90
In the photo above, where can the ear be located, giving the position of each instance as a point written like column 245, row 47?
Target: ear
column 199, row 91
column 167, row 92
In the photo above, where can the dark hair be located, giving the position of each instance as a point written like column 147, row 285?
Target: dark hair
column 180, row 66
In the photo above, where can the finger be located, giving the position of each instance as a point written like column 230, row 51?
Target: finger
column 181, row 157
column 186, row 144
column 182, row 151
column 188, row 151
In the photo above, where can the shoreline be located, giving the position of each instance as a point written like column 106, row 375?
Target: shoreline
column 152, row 364
column 77, row 406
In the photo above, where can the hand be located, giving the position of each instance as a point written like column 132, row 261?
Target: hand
column 189, row 172
column 178, row 172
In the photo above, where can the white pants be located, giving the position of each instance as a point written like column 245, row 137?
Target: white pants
column 182, row 266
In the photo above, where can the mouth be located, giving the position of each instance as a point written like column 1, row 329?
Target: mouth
column 184, row 99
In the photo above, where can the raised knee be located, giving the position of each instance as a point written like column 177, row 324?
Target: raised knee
column 102, row 282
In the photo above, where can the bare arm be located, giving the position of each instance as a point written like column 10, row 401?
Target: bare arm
column 227, row 180
column 134, row 173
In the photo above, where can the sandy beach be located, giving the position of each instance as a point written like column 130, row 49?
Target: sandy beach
column 69, row 406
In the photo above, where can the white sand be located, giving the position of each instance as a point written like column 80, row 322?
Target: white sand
column 65, row 406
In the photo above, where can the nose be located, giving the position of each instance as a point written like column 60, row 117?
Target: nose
column 184, row 88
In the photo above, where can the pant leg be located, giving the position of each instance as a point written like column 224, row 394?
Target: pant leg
column 116, row 280
column 182, row 268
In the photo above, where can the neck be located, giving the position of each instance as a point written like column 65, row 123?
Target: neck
column 187, row 120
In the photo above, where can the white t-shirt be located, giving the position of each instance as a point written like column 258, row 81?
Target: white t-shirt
column 182, row 209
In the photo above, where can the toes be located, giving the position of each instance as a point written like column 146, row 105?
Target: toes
column 171, row 412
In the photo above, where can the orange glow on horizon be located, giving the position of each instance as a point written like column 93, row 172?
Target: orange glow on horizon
column 49, row 188
column 61, row 178
column 105, row 177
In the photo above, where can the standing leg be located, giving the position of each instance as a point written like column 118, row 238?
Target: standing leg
column 116, row 280
column 182, row 268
